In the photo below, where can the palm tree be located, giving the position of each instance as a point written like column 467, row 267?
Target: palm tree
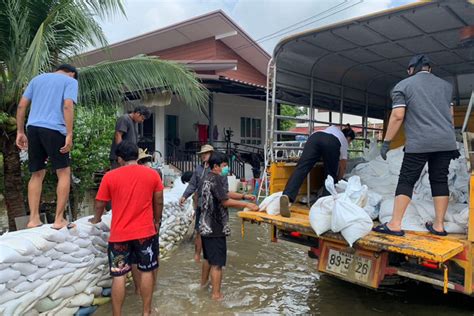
column 36, row 35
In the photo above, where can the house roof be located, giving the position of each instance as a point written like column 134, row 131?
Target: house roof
column 215, row 24
column 363, row 58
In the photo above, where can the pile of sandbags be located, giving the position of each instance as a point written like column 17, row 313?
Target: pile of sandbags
column 381, row 177
column 44, row 271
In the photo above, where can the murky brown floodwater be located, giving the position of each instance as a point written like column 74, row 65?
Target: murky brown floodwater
column 279, row 278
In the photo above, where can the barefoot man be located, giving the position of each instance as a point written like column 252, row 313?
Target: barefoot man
column 49, row 136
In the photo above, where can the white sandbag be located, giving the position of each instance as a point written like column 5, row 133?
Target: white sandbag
column 41, row 261
column 70, row 259
column 38, row 241
column 76, row 276
column 80, row 300
column 9, row 255
column 83, row 243
column 67, row 247
column 53, row 273
column 27, row 286
column 37, row 275
column 82, row 252
column 46, row 304
column 94, row 290
column 50, row 234
column 271, row 204
column 19, row 244
column 373, row 204
column 10, row 296
column 9, row 274
column 105, row 283
column 29, row 300
column 80, row 286
column 53, row 254
column 57, row 264
column 13, row 283
column 66, row 311
column 99, row 241
column 3, row 266
column 320, row 213
column 63, row 292
column 3, row 288
column 25, row 268
column 31, row 312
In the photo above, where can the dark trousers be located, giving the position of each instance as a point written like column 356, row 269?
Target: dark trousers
column 438, row 168
column 319, row 145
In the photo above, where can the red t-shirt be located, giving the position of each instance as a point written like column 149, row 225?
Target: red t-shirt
column 130, row 188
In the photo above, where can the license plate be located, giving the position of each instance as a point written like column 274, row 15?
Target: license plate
column 348, row 265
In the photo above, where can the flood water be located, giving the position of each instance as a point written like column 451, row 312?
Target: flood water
column 279, row 278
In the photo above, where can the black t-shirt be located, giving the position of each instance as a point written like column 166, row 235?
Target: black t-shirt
column 214, row 221
column 129, row 128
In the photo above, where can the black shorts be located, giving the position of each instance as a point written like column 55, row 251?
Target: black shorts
column 143, row 252
column 198, row 216
column 44, row 143
column 215, row 250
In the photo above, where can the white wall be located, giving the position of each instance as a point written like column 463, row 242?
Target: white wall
column 228, row 109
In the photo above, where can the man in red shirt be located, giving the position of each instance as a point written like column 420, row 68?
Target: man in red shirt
column 136, row 193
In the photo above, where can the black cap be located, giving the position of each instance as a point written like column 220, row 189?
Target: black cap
column 419, row 61
column 68, row 68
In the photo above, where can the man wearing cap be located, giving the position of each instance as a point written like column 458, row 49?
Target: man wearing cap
column 49, row 136
column 126, row 128
column 422, row 103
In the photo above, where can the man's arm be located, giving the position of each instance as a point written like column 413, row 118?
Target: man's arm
column 395, row 122
column 21, row 140
column 69, row 121
column 157, row 209
column 239, row 204
column 99, row 210
column 240, row 196
column 451, row 108
column 190, row 189
column 342, row 168
column 118, row 137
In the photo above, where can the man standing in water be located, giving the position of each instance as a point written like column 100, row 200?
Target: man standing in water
column 137, row 195
column 213, row 224
column 49, row 136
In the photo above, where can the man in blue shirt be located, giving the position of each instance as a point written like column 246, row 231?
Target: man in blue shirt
column 49, row 136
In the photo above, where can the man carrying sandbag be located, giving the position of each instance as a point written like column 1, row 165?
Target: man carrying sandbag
column 213, row 224
column 423, row 103
column 137, row 195
column 330, row 144
column 49, row 136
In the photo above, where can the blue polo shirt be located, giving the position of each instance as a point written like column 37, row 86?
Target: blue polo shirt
column 47, row 93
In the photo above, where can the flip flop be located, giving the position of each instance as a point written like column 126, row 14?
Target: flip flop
column 68, row 226
column 383, row 229
column 285, row 206
column 35, row 226
column 430, row 228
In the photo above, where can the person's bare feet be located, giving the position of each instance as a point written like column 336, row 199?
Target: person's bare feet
column 62, row 223
column 34, row 223
column 217, row 297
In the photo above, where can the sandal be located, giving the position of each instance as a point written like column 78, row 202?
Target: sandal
column 285, row 206
column 430, row 228
column 68, row 226
column 383, row 229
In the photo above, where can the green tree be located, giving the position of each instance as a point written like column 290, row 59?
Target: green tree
column 36, row 35
column 289, row 110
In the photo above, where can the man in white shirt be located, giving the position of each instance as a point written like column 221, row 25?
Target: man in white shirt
column 331, row 145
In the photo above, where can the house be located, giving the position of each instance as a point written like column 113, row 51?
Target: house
column 230, row 64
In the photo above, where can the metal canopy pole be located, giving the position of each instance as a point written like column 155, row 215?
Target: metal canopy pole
column 341, row 106
column 310, row 131
column 366, row 116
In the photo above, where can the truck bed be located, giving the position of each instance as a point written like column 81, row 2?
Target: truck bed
column 415, row 244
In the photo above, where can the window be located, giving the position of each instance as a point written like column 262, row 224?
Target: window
column 250, row 131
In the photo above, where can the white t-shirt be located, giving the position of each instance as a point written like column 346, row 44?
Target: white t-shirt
column 334, row 130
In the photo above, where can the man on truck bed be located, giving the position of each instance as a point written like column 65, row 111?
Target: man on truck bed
column 331, row 144
column 423, row 101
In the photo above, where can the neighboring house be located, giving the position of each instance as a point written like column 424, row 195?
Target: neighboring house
column 229, row 63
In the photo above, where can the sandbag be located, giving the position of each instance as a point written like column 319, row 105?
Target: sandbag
column 63, row 292
column 105, row 283
column 27, row 286
column 25, row 268
column 9, row 255
column 8, row 275
column 77, row 275
column 86, row 311
column 53, row 273
column 46, row 304
column 67, row 247
column 271, row 204
column 10, row 295
column 80, row 300
column 20, row 245
column 94, row 290
column 13, row 283
column 53, row 254
column 41, row 261
column 37, row 275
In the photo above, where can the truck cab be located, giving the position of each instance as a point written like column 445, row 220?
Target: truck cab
column 350, row 68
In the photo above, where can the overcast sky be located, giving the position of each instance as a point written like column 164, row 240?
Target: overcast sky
column 258, row 18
